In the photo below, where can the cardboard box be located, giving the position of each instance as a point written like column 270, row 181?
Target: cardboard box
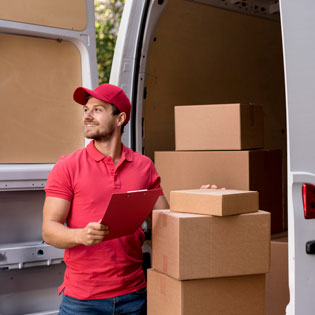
column 219, row 127
column 214, row 201
column 191, row 246
column 219, row 296
column 277, row 283
column 256, row 170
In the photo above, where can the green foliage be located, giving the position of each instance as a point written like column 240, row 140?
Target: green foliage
column 107, row 19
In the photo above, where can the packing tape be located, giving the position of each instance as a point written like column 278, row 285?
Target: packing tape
column 162, row 285
column 164, row 220
column 165, row 264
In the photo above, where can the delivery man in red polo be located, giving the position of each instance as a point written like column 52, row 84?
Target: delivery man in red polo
column 100, row 277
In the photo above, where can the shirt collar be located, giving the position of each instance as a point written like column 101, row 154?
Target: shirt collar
column 98, row 156
column 127, row 153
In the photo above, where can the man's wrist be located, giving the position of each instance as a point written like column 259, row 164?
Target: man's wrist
column 77, row 236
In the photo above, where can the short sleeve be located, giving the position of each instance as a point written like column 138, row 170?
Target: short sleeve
column 155, row 178
column 59, row 181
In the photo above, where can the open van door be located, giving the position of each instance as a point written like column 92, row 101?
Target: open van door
column 298, row 26
column 47, row 50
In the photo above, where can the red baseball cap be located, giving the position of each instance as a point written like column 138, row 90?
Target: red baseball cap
column 108, row 93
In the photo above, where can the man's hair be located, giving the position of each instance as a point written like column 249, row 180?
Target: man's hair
column 116, row 111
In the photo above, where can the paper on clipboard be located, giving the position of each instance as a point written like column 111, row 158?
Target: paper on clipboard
column 127, row 211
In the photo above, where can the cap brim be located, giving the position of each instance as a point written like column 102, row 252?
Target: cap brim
column 81, row 95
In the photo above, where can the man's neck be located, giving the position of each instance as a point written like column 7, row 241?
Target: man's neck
column 112, row 148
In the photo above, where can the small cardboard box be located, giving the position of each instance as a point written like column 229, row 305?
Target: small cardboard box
column 214, row 201
column 277, row 282
column 243, row 295
column 192, row 246
column 219, row 127
column 257, row 170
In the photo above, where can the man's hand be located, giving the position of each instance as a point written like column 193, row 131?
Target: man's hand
column 208, row 186
column 161, row 203
column 92, row 234
column 57, row 234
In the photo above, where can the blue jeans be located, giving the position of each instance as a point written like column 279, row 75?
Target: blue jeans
column 132, row 304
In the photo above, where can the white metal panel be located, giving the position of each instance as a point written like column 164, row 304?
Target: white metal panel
column 268, row 9
column 23, row 176
column 123, row 66
column 31, row 290
column 30, row 254
column 298, row 25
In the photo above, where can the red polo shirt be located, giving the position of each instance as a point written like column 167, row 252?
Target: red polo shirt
column 87, row 178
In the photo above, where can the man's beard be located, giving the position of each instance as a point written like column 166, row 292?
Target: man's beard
column 101, row 136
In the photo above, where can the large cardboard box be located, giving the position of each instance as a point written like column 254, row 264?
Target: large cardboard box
column 243, row 295
column 257, row 170
column 214, row 201
column 191, row 246
column 277, row 282
column 219, row 127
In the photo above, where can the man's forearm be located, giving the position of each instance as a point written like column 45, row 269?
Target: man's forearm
column 59, row 235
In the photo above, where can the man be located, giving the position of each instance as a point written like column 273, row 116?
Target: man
column 100, row 277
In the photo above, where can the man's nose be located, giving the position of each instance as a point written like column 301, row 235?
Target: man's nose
column 87, row 115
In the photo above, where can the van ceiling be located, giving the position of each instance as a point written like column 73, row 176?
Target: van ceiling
column 262, row 8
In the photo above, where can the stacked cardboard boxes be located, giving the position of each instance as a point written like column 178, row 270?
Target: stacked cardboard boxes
column 223, row 145
column 209, row 263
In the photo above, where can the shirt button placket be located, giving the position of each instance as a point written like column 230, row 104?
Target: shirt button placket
column 110, row 166
column 113, row 174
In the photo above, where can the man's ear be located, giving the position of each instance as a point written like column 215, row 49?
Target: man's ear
column 121, row 118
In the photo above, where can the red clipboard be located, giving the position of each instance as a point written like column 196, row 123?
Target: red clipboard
column 127, row 211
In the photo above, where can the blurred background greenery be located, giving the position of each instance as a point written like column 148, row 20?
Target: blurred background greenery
column 107, row 19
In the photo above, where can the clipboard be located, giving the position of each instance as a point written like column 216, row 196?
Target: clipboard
column 126, row 212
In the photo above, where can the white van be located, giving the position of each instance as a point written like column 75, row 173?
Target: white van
column 168, row 53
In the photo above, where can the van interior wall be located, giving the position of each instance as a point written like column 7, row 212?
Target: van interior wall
column 70, row 14
column 204, row 55
column 41, row 121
